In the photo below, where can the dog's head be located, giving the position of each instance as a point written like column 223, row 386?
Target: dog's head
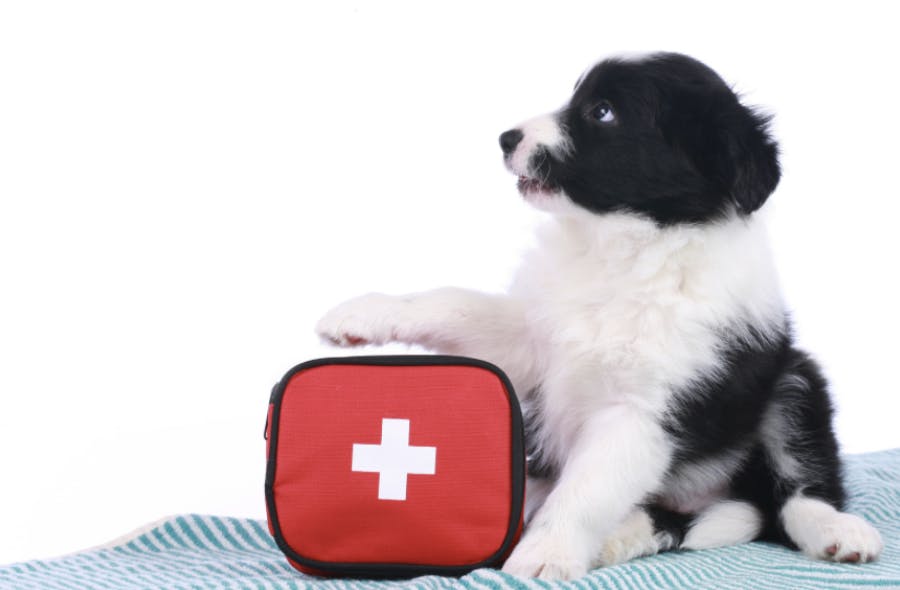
column 662, row 136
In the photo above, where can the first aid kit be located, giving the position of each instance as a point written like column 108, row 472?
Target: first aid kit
column 394, row 466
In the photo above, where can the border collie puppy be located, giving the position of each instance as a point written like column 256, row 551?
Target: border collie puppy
column 666, row 405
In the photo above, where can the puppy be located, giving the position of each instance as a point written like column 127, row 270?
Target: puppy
column 666, row 405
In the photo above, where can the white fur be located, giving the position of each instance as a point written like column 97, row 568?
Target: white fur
column 619, row 328
column 634, row 537
column 776, row 426
column 608, row 305
column 618, row 456
column 725, row 523
column 452, row 320
column 540, row 132
column 822, row 532
column 537, row 491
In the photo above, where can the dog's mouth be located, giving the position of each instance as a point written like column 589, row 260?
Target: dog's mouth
column 529, row 186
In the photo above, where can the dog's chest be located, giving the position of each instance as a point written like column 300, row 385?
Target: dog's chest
column 631, row 316
column 635, row 302
column 634, row 323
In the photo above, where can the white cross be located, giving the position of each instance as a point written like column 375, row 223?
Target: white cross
column 394, row 459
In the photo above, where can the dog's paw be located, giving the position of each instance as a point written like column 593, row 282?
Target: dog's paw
column 541, row 556
column 634, row 538
column 368, row 319
column 841, row 537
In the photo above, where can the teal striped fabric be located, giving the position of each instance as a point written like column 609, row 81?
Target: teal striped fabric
column 208, row 552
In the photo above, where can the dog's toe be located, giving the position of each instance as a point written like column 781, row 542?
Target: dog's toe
column 358, row 322
column 844, row 538
column 546, row 558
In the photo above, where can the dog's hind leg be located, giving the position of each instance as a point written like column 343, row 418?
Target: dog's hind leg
column 652, row 529
column 447, row 320
column 795, row 478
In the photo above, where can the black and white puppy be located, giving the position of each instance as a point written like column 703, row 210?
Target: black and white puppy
column 666, row 405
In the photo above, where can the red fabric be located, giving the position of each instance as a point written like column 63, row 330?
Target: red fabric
column 327, row 512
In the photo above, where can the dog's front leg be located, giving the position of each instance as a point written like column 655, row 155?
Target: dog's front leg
column 447, row 320
column 618, row 459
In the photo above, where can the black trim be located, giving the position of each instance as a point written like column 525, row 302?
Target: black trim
column 271, row 401
column 382, row 570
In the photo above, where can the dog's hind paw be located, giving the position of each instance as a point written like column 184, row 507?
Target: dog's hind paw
column 846, row 538
column 822, row 532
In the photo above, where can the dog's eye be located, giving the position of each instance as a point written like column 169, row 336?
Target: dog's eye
column 603, row 112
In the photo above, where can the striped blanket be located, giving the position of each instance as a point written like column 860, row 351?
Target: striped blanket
column 208, row 552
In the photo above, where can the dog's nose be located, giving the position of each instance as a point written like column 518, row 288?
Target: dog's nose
column 509, row 140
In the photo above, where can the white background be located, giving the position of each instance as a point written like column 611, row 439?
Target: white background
column 187, row 186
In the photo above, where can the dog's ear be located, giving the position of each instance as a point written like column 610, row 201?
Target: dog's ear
column 728, row 143
column 749, row 157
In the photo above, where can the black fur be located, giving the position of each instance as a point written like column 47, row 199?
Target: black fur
column 673, row 524
column 682, row 148
column 722, row 412
column 801, row 392
column 725, row 413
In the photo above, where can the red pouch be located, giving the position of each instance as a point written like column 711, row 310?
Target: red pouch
column 394, row 466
